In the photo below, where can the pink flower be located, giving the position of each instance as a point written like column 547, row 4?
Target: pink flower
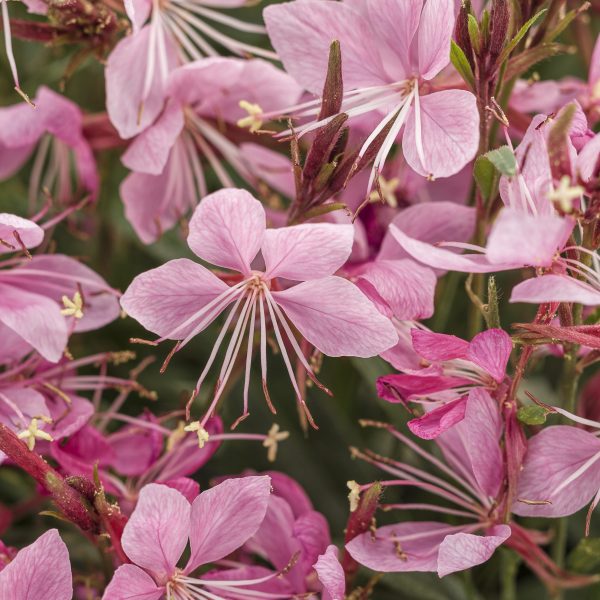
column 216, row 523
column 168, row 178
column 474, row 464
column 403, row 45
column 45, row 298
column 55, row 129
column 181, row 298
column 41, row 570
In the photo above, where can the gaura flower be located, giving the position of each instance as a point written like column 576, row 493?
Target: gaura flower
column 388, row 68
column 53, row 134
column 181, row 298
column 217, row 522
column 41, row 570
column 178, row 32
column 203, row 106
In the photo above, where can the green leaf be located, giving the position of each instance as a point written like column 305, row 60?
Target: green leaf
column 461, row 64
column 521, row 34
column 585, row 558
column 504, row 160
column 532, row 415
column 474, row 34
column 517, row 65
column 485, row 174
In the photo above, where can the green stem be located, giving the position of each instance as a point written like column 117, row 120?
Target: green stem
column 509, row 564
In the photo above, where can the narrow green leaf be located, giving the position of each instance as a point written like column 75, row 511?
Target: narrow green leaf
column 474, row 34
column 532, row 415
column 521, row 34
column 585, row 558
column 517, row 65
column 461, row 64
column 484, row 173
column 504, row 160
column 318, row 211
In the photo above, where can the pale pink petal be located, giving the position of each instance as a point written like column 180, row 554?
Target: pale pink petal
column 138, row 12
column 438, row 346
column 150, row 150
column 301, row 33
column 34, row 318
column 164, row 298
column 41, row 570
column 68, row 421
column 20, row 127
column 227, row 229
column 337, row 318
column 331, row 574
column 435, row 32
column 529, row 239
column 431, row 223
column 269, row 166
column 588, row 160
column 553, row 456
column 441, row 258
column 594, row 73
column 462, row 551
column 157, row 532
column 449, row 133
column 29, row 402
column 438, row 420
column 491, row 350
column 132, row 583
column 380, row 553
column 28, row 232
column 36, row 7
column 405, row 286
column 127, row 108
column 555, row 288
column 225, row 516
column 307, row 251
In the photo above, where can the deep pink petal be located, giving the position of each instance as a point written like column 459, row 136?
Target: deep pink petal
column 337, row 318
column 225, row 516
column 491, row 350
column 132, row 583
column 41, row 570
column 435, row 32
column 554, row 455
column 164, row 298
column 555, row 288
column 462, row 551
column 291, row 491
column 438, row 420
column 438, row 346
column 307, row 251
column 331, row 574
column 157, row 532
column 34, row 318
column 449, row 133
column 227, row 229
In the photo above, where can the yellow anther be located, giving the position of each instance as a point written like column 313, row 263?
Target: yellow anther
column 388, row 191
column 354, row 495
column 32, row 433
column 73, row 308
column 272, row 441
column 203, row 436
column 176, row 435
column 254, row 119
column 565, row 193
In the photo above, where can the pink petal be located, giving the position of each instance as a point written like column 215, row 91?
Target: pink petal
column 435, row 32
column 307, row 251
column 312, row 531
column 449, row 132
column 518, row 237
column 555, row 288
column 438, row 346
column 41, row 570
column 132, row 583
column 464, row 550
column 150, row 150
column 269, row 166
column 34, row 318
column 405, row 286
column 291, row 491
column 554, row 455
column 588, row 159
column 381, row 554
column 125, row 81
column 164, row 298
column 301, row 33
column 227, row 229
column 138, row 12
column 225, row 516
column 491, row 350
column 30, row 233
column 594, row 72
column 157, row 532
column 438, row 420
column 331, row 574
column 337, row 318
column 79, row 413
column 401, row 388
column 185, row 486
